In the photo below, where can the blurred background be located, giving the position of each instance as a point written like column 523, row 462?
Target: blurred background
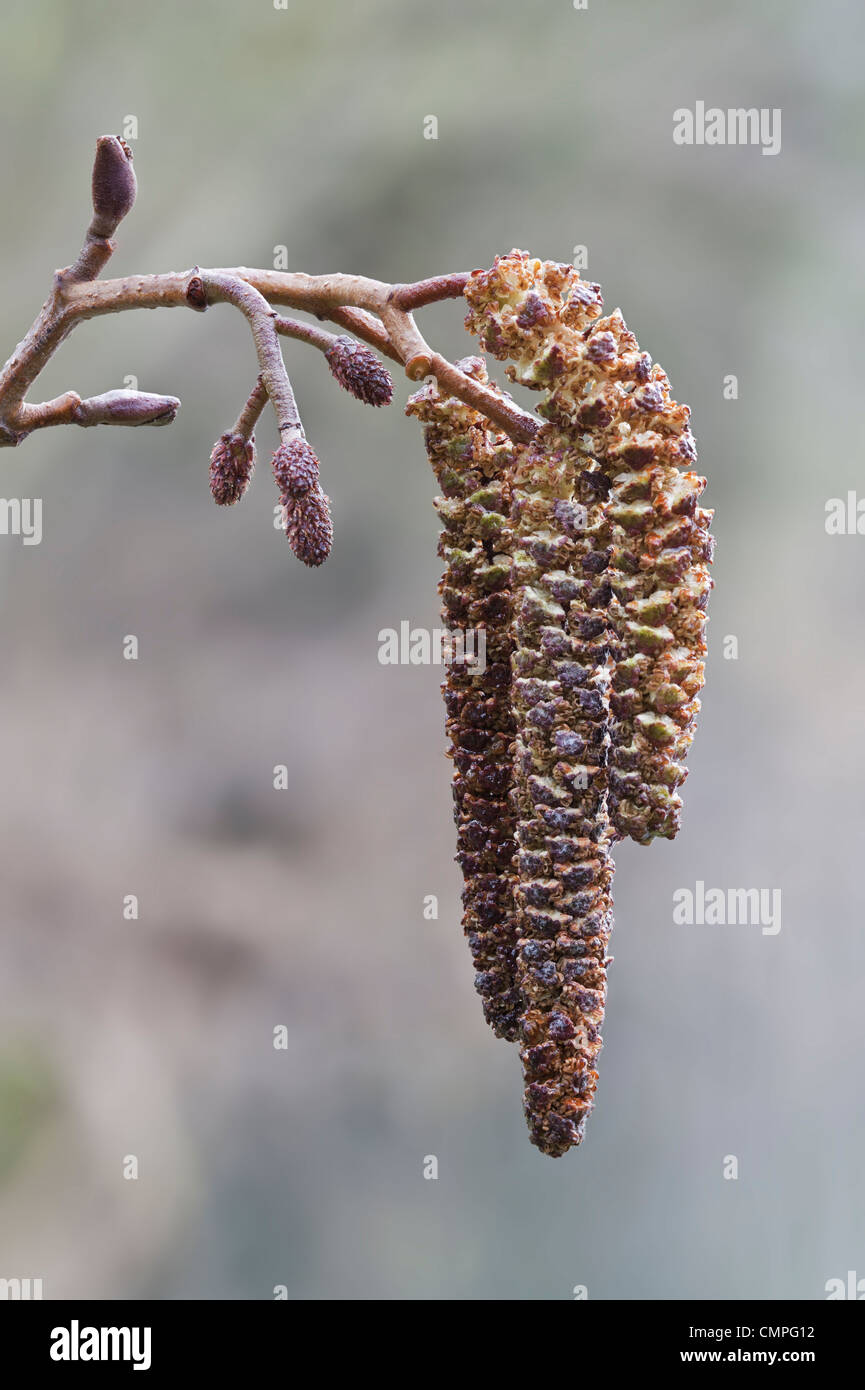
column 303, row 1167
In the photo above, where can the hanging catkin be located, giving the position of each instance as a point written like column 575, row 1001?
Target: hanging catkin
column 560, row 700
column 599, row 384
column 579, row 554
column 661, row 584
column 660, row 548
column 609, row 585
column 563, row 865
column 471, row 465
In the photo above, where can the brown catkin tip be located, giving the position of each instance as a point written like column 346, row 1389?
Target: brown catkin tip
column 231, row 467
column 308, row 526
column 358, row 370
column 113, row 184
column 295, row 468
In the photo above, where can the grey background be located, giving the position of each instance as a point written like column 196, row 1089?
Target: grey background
column 304, row 1167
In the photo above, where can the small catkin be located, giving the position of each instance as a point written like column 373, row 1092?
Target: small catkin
column 308, row 525
column 472, row 465
column 358, row 370
column 295, row 467
column 232, row 463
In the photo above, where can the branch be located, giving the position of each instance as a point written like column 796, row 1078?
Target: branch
column 364, row 326
column 373, row 311
column 248, row 417
column 111, row 408
column 229, row 288
column 430, row 291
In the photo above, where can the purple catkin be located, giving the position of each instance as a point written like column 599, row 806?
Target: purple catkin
column 358, row 370
column 232, row 463
column 308, row 525
column 472, row 466
column 295, row 468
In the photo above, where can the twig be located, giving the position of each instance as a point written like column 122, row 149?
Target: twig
column 248, row 417
column 304, row 333
column 430, row 291
column 374, row 311
column 224, row 286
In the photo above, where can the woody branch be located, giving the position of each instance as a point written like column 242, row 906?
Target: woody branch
column 377, row 313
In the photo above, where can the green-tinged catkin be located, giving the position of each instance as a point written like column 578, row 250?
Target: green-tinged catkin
column 601, row 389
column 660, row 549
column 660, row 581
column 609, row 640
column 560, row 701
column 563, row 863
column 472, row 466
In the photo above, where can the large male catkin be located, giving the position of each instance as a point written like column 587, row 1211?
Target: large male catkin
column 563, row 865
column 660, row 548
column 660, row 582
column 609, row 584
column 471, row 464
column 560, row 699
column 602, row 389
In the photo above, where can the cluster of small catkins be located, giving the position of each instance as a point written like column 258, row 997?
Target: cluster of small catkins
column 306, row 509
column 306, row 514
column 584, row 556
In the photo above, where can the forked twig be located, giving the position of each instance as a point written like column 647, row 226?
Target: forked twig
column 378, row 313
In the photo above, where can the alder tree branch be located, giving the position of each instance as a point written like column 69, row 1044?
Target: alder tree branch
column 377, row 313
column 370, row 313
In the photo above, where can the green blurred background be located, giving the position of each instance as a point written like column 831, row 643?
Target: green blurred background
column 304, row 1167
